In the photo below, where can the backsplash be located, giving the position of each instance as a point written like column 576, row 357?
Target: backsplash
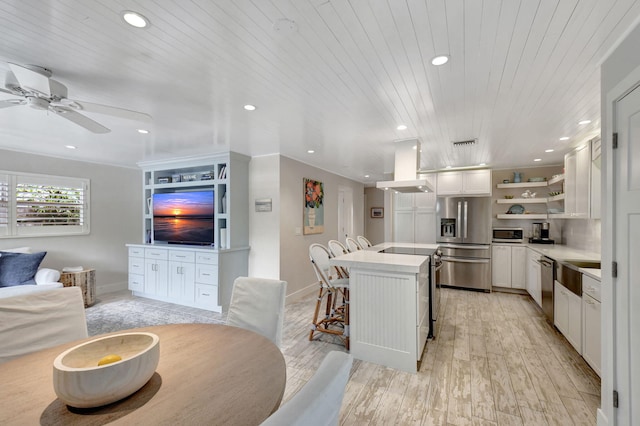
column 582, row 234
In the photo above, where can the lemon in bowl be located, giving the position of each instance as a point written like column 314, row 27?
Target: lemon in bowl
column 106, row 369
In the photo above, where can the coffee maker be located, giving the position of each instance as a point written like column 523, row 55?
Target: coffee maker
column 540, row 233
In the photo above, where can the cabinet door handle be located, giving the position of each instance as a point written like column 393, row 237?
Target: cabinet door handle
column 180, row 256
column 205, row 274
column 206, row 294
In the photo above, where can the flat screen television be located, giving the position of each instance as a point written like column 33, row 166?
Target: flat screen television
column 183, row 217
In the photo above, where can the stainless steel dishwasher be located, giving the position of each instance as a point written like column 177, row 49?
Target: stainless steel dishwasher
column 547, row 276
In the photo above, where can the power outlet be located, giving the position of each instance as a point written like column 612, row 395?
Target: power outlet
column 298, row 230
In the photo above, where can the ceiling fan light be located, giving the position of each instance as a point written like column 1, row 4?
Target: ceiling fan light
column 135, row 19
column 440, row 60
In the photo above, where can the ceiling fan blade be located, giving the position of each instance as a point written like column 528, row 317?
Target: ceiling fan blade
column 31, row 80
column 80, row 120
column 11, row 102
column 108, row 110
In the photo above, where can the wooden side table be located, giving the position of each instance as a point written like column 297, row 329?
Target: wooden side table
column 84, row 279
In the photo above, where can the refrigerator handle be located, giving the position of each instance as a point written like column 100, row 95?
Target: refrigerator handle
column 459, row 221
column 466, row 205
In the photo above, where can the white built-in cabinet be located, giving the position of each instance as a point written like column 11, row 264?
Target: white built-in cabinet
column 596, row 176
column 465, row 182
column 533, row 279
column 414, row 218
column 508, row 266
column 567, row 315
column 195, row 276
column 591, row 326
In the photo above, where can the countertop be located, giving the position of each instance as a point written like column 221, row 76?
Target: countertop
column 593, row 273
column 371, row 259
column 559, row 252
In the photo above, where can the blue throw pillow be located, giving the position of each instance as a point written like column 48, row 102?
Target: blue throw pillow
column 19, row 268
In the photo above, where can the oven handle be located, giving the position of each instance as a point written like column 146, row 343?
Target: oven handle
column 438, row 267
column 454, row 246
column 459, row 260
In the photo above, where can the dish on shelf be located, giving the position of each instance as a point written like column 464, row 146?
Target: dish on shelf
column 508, row 197
column 554, row 193
column 537, row 179
column 552, row 211
column 516, row 209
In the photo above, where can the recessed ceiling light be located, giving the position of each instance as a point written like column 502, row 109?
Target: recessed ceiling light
column 482, row 164
column 448, row 167
column 366, row 176
column 401, row 127
column 70, row 146
column 564, row 138
column 584, row 122
column 143, row 131
column 440, row 60
column 548, row 150
column 310, row 151
column 537, row 159
column 250, row 107
column 135, row 19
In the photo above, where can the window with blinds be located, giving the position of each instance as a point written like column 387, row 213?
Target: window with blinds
column 38, row 205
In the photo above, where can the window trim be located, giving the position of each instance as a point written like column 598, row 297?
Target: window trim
column 12, row 230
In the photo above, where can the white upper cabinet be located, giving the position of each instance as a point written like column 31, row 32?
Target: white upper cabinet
column 467, row 182
column 577, row 166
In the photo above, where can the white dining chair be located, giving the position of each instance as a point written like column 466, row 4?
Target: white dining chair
column 331, row 288
column 363, row 241
column 34, row 321
column 257, row 304
column 352, row 245
column 318, row 402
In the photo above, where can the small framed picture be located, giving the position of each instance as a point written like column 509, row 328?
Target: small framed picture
column 377, row 212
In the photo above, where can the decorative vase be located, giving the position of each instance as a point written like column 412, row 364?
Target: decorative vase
column 311, row 215
column 517, row 177
column 223, row 203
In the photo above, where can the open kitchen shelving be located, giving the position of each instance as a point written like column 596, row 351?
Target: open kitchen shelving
column 557, row 179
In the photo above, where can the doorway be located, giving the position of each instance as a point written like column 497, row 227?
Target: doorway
column 345, row 213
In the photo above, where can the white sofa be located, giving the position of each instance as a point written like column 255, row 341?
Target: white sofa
column 45, row 279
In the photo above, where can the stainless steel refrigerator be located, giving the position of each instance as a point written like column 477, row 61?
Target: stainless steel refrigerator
column 464, row 236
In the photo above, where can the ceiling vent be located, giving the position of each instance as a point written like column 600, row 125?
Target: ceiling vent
column 465, row 143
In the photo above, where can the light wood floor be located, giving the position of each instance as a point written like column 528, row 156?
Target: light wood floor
column 495, row 361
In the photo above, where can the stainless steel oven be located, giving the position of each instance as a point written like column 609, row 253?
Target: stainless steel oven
column 508, row 235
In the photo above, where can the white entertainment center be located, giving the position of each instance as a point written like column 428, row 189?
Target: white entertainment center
column 194, row 274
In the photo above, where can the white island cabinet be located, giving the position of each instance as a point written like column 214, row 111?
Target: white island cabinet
column 388, row 306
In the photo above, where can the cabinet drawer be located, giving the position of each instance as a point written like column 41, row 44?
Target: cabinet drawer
column 181, row 256
column 207, row 295
column 207, row 258
column 136, row 251
column 136, row 265
column 153, row 253
column 591, row 287
column 136, row 282
column 207, row 274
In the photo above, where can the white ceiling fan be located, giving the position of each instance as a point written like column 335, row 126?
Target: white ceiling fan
column 36, row 89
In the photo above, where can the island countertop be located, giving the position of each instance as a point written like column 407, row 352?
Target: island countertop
column 371, row 259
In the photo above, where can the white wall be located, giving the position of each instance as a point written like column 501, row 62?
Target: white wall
column 264, row 227
column 115, row 214
column 614, row 70
column 295, row 267
column 374, row 227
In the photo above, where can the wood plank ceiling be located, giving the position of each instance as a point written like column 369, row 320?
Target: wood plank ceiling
column 522, row 74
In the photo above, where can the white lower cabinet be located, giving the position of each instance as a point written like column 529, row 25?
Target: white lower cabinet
column 567, row 315
column 183, row 276
column 533, row 281
column 591, row 327
column 508, row 266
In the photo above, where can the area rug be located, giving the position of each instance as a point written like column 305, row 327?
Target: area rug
column 125, row 314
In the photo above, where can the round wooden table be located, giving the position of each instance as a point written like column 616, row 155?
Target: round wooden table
column 207, row 374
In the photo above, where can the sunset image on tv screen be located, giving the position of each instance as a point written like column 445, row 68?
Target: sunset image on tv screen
column 183, row 204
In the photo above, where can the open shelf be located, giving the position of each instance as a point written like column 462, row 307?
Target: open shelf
column 523, row 216
column 556, row 179
column 523, row 185
column 559, row 197
column 522, row 201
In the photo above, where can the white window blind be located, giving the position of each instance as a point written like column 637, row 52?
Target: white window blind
column 39, row 205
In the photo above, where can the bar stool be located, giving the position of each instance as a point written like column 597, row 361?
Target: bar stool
column 338, row 249
column 331, row 288
column 363, row 241
column 353, row 245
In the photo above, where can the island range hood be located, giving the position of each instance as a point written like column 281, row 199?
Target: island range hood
column 407, row 162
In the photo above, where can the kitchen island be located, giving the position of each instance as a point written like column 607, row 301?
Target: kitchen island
column 388, row 304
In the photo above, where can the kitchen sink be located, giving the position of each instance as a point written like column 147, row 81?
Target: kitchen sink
column 582, row 263
column 568, row 275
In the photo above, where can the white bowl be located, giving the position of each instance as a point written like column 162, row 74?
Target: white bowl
column 80, row 382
